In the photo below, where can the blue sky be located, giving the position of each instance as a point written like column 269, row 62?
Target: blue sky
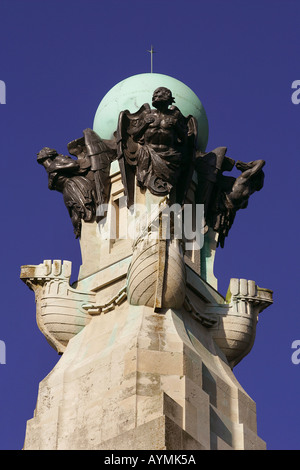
column 58, row 59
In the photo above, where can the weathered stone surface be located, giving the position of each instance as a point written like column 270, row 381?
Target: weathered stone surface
column 131, row 378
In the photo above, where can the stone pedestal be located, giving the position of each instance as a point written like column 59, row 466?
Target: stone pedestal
column 135, row 379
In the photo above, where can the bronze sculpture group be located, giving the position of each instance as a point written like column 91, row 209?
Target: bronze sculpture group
column 157, row 148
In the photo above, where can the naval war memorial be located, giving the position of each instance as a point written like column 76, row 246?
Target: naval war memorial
column 147, row 343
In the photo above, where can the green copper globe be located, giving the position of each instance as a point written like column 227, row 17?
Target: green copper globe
column 134, row 91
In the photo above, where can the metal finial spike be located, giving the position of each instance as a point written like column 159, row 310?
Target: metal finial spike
column 152, row 51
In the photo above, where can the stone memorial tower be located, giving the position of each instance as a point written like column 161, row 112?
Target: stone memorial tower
column 147, row 343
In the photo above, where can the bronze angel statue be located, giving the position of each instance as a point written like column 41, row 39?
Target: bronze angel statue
column 84, row 181
column 222, row 195
column 233, row 194
column 157, row 146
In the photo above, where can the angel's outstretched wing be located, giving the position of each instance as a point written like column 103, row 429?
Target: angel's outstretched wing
column 78, row 149
column 130, row 127
column 189, row 123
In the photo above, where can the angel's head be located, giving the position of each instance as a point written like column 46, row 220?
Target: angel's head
column 162, row 96
column 46, row 153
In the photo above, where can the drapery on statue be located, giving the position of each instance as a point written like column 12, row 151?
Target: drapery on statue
column 156, row 148
column 158, row 145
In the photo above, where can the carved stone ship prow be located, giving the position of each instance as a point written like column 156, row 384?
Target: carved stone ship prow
column 235, row 330
column 156, row 276
column 59, row 308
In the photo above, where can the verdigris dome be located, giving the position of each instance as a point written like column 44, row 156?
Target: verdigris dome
column 134, row 91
